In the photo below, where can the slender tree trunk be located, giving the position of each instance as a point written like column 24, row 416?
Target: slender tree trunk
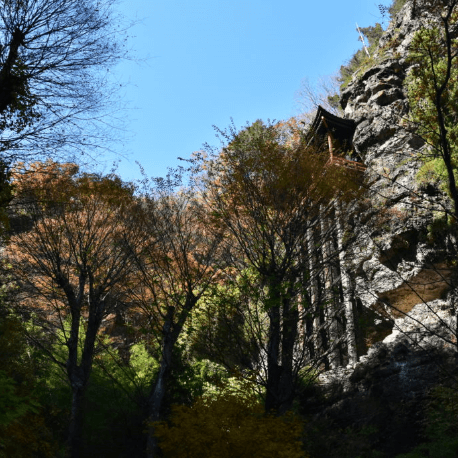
column 79, row 377
column 310, row 337
column 303, row 325
column 158, row 393
column 440, row 109
column 157, row 399
column 283, row 327
column 274, row 368
column 329, row 296
column 314, row 303
column 346, row 289
column 287, row 382
column 273, row 357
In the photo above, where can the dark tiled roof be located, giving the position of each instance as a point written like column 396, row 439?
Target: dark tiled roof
column 341, row 129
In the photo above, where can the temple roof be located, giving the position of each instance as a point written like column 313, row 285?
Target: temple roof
column 325, row 122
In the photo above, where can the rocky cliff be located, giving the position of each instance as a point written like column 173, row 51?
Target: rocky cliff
column 401, row 269
column 398, row 262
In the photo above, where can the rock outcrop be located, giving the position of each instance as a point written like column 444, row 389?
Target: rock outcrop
column 383, row 400
column 401, row 270
column 397, row 264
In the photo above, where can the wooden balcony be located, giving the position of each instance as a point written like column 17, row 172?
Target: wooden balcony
column 349, row 164
column 339, row 134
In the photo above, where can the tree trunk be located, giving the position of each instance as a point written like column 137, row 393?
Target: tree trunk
column 313, row 285
column 156, row 400
column 283, row 326
column 155, row 406
column 273, row 357
column 327, row 254
column 76, row 419
column 446, row 152
column 9, row 84
column 290, row 319
column 79, row 374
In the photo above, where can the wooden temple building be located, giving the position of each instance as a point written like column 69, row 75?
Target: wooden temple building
column 331, row 295
column 338, row 133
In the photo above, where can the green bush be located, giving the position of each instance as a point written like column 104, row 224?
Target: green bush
column 230, row 423
column 24, row 432
column 440, row 427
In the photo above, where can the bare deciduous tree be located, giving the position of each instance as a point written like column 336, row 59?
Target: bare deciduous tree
column 54, row 85
column 325, row 92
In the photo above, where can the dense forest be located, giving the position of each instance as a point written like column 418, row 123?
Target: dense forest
column 192, row 315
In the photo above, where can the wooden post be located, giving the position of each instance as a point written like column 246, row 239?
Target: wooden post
column 346, row 289
column 331, row 150
column 328, row 293
column 313, row 283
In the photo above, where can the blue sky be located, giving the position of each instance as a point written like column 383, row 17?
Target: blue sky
column 202, row 62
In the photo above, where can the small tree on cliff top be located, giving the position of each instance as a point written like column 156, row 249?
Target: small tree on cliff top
column 433, row 97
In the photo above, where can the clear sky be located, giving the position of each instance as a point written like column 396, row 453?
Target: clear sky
column 210, row 60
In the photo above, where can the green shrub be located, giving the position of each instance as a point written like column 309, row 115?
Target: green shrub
column 441, row 426
column 229, row 423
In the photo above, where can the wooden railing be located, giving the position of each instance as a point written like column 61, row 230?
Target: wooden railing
column 342, row 162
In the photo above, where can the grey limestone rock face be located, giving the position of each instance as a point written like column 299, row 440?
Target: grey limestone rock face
column 408, row 362
column 428, row 329
column 387, row 391
column 428, row 325
column 392, row 249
